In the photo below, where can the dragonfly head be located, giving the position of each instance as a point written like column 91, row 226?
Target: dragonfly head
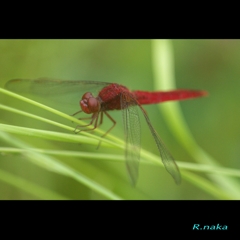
column 90, row 104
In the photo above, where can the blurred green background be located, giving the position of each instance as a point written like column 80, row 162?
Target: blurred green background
column 211, row 65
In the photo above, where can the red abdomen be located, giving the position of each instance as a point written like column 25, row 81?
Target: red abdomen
column 175, row 95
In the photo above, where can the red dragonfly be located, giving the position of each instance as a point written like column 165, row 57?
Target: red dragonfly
column 112, row 96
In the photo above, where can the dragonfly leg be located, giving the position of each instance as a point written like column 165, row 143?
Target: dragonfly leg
column 114, row 123
column 94, row 120
column 101, row 120
column 86, row 118
column 76, row 113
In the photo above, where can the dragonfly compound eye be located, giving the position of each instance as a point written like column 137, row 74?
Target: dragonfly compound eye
column 87, row 95
column 93, row 105
column 90, row 105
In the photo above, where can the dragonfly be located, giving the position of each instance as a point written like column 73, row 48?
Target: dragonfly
column 108, row 97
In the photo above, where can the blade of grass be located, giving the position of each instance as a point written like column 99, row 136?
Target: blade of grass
column 85, row 155
column 56, row 136
column 29, row 187
column 16, row 111
column 206, row 185
column 119, row 158
column 51, row 164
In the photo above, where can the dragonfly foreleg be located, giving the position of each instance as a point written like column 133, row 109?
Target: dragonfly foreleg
column 76, row 113
column 92, row 122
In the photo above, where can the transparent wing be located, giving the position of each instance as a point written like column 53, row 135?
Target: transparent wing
column 131, row 123
column 57, row 91
column 167, row 159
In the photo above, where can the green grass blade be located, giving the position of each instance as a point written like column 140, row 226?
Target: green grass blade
column 29, row 187
column 51, row 164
